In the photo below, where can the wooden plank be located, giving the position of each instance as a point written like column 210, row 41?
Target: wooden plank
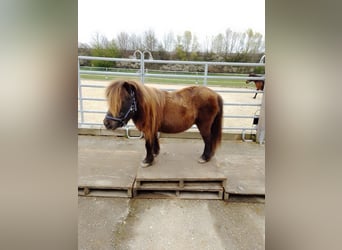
column 104, row 182
column 120, row 193
column 173, row 190
column 170, row 186
column 179, row 194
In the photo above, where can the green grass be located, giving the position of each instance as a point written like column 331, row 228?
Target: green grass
column 184, row 81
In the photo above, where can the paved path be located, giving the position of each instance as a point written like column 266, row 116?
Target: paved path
column 154, row 224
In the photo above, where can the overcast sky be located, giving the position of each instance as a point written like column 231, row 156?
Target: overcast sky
column 202, row 18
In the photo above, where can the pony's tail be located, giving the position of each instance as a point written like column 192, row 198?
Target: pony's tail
column 216, row 127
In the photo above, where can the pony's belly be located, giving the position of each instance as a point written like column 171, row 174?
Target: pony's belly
column 174, row 128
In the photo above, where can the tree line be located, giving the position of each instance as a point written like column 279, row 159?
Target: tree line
column 227, row 46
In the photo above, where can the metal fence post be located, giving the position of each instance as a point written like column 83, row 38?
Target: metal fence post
column 205, row 74
column 260, row 134
column 142, row 63
column 80, row 93
column 142, row 68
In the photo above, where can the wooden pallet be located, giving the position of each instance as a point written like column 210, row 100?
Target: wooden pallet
column 179, row 188
column 106, row 186
column 105, row 191
column 177, row 174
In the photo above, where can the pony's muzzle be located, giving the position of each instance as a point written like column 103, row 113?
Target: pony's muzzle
column 110, row 124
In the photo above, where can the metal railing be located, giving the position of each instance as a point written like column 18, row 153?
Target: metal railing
column 142, row 74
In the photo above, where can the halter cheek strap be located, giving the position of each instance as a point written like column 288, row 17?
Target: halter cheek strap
column 132, row 109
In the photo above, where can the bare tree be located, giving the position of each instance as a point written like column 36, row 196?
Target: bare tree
column 227, row 40
column 184, row 46
column 101, row 47
column 234, row 42
column 240, row 42
column 206, row 47
column 149, row 40
column 186, row 41
column 122, row 41
column 195, row 44
column 99, row 41
column 253, row 42
column 135, row 42
column 169, row 41
column 218, row 44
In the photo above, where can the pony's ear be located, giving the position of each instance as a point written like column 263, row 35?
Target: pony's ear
column 129, row 86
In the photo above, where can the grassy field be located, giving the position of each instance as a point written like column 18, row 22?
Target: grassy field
column 231, row 83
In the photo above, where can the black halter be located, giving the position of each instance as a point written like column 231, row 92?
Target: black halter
column 131, row 110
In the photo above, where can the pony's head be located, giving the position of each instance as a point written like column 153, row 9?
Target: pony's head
column 251, row 80
column 122, row 104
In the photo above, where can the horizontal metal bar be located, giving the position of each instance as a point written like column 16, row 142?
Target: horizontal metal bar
column 240, row 91
column 240, row 116
column 240, row 128
column 93, row 111
column 91, row 72
column 171, row 76
column 112, row 59
column 225, row 116
column 170, row 61
column 242, row 104
column 219, row 91
column 91, row 99
column 92, row 86
column 204, row 63
column 227, row 128
column 90, row 123
column 201, row 76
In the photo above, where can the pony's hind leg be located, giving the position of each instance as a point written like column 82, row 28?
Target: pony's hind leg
column 207, row 152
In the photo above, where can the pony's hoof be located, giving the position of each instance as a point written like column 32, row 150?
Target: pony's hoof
column 201, row 160
column 145, row 164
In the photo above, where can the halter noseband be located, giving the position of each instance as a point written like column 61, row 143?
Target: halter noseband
column 131, row 109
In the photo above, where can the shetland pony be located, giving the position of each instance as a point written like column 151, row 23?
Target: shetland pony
column 259, row 84
column 153, row 110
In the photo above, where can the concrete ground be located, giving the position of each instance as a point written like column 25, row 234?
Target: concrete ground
column 137, row 223
column 109, row 161
column 123, row 223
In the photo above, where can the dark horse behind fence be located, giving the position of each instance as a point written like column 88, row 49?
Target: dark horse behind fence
column 153, row 110
column 259, row 84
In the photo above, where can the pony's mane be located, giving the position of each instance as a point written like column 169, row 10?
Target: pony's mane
column 150, row 102
column 115, row 94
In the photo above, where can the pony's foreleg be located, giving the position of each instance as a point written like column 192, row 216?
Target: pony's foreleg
column 152, row 150
column 149, row 154
column 156, row 147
